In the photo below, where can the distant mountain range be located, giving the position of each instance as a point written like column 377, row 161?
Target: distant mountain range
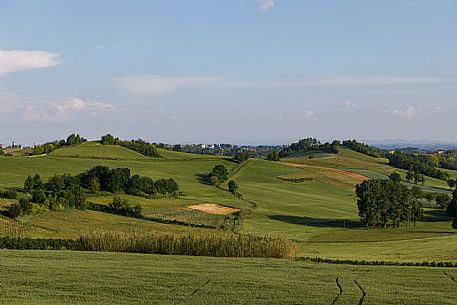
column 422, row 145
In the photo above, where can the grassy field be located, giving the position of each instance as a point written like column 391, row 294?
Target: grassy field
column 46, row 277
column 320, row 214
column 96, row 150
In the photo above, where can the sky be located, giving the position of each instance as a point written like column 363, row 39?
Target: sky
column 229, row 71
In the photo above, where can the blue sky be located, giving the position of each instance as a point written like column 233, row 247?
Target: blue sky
column 240, row 71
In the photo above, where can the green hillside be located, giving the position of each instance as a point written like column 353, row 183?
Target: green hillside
column 96, row 150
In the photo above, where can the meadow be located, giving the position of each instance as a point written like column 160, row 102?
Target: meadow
column 320, row 213
column 310, row 201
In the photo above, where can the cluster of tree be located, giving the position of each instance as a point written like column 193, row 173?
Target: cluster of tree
column 273, row 155
column 58, row 192
column 423, row 164
column 140, row 146
column 309, row 144
column 363, row 148
column 116, row 180
column 384, row 202
column 415, row 176
column 241, row 156
column 448, row 162
column 218, row 175
column 48, row 147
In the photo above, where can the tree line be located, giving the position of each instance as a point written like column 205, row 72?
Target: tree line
column 422, row 164
column 46, row 148
column 363, row 148
column 140, row 146
column 306, row 145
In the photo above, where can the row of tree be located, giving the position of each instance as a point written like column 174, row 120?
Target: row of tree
column 46, row 148
column 423, row 164
column 386, row 202
column 140, row 146
column 363, row 148
column 309, row 144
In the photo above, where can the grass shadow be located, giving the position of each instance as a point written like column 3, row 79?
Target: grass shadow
column 435, row 216
column 202, row 178
column 316, row 222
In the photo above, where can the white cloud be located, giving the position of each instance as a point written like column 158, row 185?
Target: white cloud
column 350, row 104
column 20, row 60
column 308, row 113
column 408, row 113
column 157, row 85
column 15, row 107
column 265, row 5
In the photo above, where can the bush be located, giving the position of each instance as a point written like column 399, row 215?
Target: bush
column 8, row 194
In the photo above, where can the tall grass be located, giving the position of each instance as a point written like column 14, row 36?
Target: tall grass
column 195, row 245
column 9, row 227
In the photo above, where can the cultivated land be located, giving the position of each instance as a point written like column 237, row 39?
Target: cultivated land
column 311, row 201
column 65, row 277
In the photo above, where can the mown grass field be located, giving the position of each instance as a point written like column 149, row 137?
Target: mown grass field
column 65, row 277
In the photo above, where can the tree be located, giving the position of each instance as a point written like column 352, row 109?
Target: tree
column 241, row 157
column 454, row 223
column 25, row 205
column 177, row 147
column 442, row 200
column 232, row 186
column 409, row 176
column 429, row 197
column 395, row 177
column 37, row 183
column 452, row 183
column 452, row 206
column 39, row 196
column 108, row 140
column 94, row 185
column 213, row 180
column 15, row 210
column 221, row 172
column 28, row 184
column 273, row 155
column 76, row 197
column 417, row 192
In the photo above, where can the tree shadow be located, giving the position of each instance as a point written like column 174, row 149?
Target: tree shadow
column 317, row 222
column 202, row 178
column 435, row 216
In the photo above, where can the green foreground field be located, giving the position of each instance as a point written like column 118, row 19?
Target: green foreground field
column 66, row 277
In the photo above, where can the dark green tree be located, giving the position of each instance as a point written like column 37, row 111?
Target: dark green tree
column 395, row 177
column 221, row 172
column 232, row 186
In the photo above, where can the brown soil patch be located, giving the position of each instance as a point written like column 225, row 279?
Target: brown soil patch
column 212, row 208
column 334, row 170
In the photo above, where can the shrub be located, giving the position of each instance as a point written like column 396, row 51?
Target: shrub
column 8, row 194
